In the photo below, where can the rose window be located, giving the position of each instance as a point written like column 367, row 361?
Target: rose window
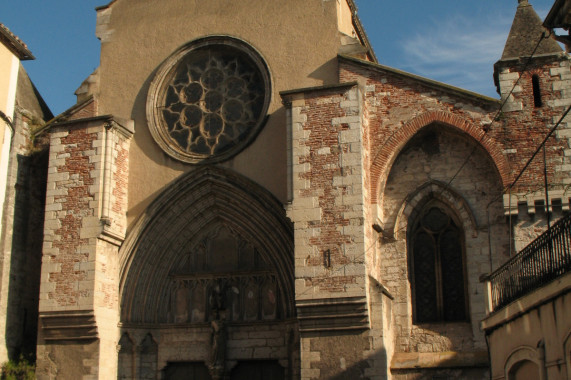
column 209, row 100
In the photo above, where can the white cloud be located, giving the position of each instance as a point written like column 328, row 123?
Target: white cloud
column 460, row 51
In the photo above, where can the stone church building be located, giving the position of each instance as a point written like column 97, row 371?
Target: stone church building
column 243, row 195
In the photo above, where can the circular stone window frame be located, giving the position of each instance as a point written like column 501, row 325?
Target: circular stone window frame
column 157, row 94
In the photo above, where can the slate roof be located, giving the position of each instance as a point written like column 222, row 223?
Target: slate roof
column 524, row 34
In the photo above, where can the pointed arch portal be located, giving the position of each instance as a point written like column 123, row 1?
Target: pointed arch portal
column 211, row 234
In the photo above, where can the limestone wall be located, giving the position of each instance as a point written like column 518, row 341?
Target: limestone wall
column 137, row 36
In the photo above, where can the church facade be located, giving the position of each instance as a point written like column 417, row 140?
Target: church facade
column 254, row 196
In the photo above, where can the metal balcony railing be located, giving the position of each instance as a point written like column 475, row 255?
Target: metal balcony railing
column 543, row 260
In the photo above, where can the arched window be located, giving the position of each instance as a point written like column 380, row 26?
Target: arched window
column 536, row 91
column 436, row 244
column 524, row 370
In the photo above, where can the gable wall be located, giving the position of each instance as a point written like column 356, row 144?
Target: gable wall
column 137, row 36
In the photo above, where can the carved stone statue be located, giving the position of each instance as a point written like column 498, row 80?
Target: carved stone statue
column 219, row 334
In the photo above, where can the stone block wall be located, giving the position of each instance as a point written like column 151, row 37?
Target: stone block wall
column 21, row 242
column 327, row 208
column 85, row 223
column 402, row 174
column 145, row 352
column 332, row 233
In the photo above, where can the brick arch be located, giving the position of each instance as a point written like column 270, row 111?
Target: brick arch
column 388, row 152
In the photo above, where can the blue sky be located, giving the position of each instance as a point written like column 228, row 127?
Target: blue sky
column 456, row 42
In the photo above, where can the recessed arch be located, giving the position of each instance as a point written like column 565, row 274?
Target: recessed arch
column 425, row 193
column 437, row 263
column 521, row 355
column 386, row 154
column 183, row 213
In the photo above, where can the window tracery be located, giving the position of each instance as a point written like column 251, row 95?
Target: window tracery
column 223, row 272
column 437, row 266
column 209, row 100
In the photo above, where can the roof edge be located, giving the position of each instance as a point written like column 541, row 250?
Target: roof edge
column 510, row 60
column 287, row 93
column 429, row 82
column 15, row 44
column 100, row 7
column 361, row 30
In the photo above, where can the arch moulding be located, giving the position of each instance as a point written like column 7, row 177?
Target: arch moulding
column 184, row 211
column 386, row 154
column 525, row 353
column 433, row 190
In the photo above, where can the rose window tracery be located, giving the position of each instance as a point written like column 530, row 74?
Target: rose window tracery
column 209, row 100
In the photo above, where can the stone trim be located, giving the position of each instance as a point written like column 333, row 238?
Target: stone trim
column 68, row 325
column 513, row 201
column 525, row 353
column 332, row 314
column 204, row 196
column 447, row 359
column 389, row 151
column 433, row 190
column 488, row 101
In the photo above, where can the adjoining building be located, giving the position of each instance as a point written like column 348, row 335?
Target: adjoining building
column 252, row 195
column 528, row 326
column 23, row 171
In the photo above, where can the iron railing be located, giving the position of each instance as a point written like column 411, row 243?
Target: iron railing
column 543, row 260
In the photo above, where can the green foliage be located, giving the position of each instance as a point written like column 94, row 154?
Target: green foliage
column 18, row 370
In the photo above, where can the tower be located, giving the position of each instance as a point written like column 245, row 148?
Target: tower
column 532, row 79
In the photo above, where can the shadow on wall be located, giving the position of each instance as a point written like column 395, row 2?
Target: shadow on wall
column 26, row 255
column 378, row 366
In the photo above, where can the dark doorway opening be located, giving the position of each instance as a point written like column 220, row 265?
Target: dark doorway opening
column 186, row 371
column 258, row 370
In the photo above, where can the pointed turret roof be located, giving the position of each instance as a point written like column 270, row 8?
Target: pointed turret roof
column 526, row 31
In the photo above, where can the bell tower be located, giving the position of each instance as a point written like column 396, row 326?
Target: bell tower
column 532, row 78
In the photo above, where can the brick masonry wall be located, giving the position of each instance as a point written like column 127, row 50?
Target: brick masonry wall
column 329, row 143
column 85, row 224
column 529, row 125
column 397, row 109
column 67, row 268
column 87, row 181
column 510, row 140
column 526, row 126
column 327, row 208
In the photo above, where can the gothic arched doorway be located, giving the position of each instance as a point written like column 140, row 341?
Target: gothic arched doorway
column 207, row 276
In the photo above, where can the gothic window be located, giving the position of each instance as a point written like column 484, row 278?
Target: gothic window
column 208, row 100
column 437, row 266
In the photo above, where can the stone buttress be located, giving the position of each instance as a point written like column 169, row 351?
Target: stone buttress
column 85, row 223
